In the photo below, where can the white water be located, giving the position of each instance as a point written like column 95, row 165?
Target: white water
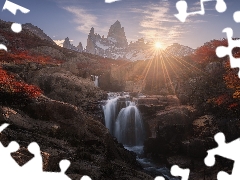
column 110, row 110
column 96, row 81
column 129, row 126
column 124, row 121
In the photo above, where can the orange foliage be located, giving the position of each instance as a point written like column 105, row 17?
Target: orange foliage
column 10, row 86
column 220, row 100
column 20, row 57
column 207, row 52
column 232, row 80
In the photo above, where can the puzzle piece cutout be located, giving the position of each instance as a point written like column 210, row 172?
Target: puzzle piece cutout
column 182, row 9
column 222, row 51
column 236, row 16
column 32, row 169
column 111, row 1
column 12, row 7
column 177, row 171
column 16, row 27
column 227, row 150
column 159, row 178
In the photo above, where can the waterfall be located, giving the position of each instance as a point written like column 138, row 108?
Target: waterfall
column 110, row 113
column 96, row 81
column 124, row 121
column 129, row 127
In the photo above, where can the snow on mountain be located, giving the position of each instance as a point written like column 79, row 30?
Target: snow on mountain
column 116, row 46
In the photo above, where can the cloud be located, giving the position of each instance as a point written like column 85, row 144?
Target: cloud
column 159, row 23
column 84, row 20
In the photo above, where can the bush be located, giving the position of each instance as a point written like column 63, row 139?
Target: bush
column 16, row 92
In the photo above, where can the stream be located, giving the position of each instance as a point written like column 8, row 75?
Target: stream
column 124, row 121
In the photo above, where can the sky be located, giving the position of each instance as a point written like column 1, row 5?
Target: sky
column 149, row 19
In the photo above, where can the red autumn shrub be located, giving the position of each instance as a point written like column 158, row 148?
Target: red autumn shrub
column 15, row 92
column 20, row 57
column 207, row 52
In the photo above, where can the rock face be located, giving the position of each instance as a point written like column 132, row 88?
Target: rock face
column 64, row 131
column 80, row 47
column 116, row 34
column 61, row 85
column 68, row 45
column 65, row 127
column 116, row 46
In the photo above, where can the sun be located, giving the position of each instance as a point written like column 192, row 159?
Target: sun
column 158, row 45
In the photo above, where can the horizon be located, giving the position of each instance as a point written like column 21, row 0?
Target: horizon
column 152, row 20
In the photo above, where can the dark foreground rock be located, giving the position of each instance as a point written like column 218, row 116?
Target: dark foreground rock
column 179, row 135
column 64, row 131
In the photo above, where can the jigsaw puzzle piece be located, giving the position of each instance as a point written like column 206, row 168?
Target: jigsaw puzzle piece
column 35, row 165
column 177, row 171
column 17, row 28
column 3, row 47
column 64, row 165
column 182, row 11
column 12, row 7
column 5, row 125
column 221, row 51
column 223, row 176
column 236, row 16
column 111, row 1
column 227, row 150
column 159, row 178
column 183, row 14
column 88, row 178
column 221, row 6
column 10, row 165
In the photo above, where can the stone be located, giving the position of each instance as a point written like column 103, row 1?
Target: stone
column 68, row 45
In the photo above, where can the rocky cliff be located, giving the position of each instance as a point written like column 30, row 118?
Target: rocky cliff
column 68, row 45
column 116, row 46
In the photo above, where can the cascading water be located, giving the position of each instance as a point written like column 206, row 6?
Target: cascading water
column 124, row 121
column 110, row 112
column 129, row 127
column 96, row 81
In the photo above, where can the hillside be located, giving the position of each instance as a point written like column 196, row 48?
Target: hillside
column 46, row 101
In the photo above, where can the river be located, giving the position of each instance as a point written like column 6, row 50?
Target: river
column 124, row 121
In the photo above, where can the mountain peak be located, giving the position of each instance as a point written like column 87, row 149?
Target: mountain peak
column 116, row 33
column 117, row 23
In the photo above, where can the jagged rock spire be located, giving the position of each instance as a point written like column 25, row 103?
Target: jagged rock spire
column 116, row 32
